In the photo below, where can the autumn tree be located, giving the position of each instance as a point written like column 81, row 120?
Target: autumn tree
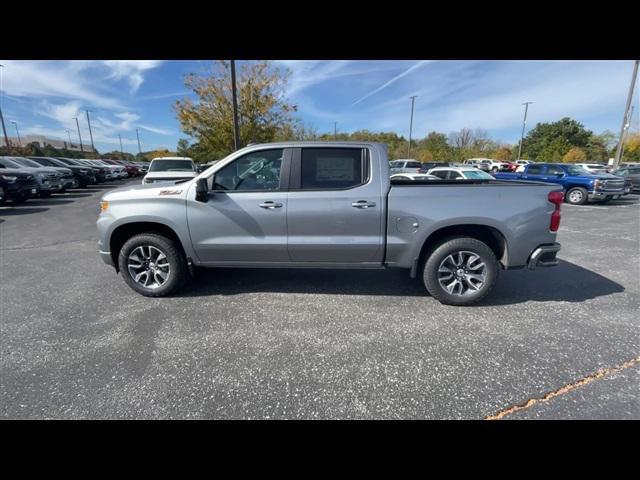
column 263, row 110
column 502, row 154
column 575, row 155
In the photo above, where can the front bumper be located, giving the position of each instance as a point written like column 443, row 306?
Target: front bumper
column 604, row 195
column 544, row 256
column 106, row 258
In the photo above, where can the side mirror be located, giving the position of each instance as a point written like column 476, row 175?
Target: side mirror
column 202, row 190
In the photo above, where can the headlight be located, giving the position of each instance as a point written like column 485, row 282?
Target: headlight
column 104, row 206
column 9, row 178
column 598, row 184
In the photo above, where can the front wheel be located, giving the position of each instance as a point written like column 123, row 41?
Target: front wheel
column 460, row 271
column 576, row 196
column 152, row 265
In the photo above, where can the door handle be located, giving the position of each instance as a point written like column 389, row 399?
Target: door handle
column 363, row 204
column 270, row 205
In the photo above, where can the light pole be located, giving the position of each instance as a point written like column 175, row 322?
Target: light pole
column 93, row 149
column 626, row 130
column 15, row 124
column 335, row 130
column 234, row 95
column 79, row 136
column 413, row 99
column 616, row 160
column 120, row 137
column 4, row 130
column 69, row 135
column 524, row 124
column 138, row 135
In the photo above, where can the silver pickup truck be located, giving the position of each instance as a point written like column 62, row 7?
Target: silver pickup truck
column 328, row 205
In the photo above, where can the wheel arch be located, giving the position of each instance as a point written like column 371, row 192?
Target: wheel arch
column 125, row 231
column 493, row 237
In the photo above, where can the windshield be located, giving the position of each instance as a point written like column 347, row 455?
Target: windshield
column 477, row 174
column 575, row 170
column 171, row 166
column 12, row 163
column 29, row 163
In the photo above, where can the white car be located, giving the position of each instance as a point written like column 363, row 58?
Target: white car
column 596, row 168
column 404, row 166
column 115, row 171
column 459, row 173
column 170, row 169
column 413, row 176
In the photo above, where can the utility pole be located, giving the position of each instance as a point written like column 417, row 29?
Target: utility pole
column 79, row 136
column 93, row 149
column 618, row 156
column 138, row 135
column 626, row 130
column 524, row 124
column 69, row 134
column 413, row 99
column 4, row 130
column 120, row 137
column 15, row 124
column 234, row 95
column 335, row 130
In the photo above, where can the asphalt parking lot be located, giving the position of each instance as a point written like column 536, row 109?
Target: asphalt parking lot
column 77, row 343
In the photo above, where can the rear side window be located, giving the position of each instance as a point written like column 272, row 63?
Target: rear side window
column 440, row 174
column 553, row 170
column 332, row 168
column 413, row 165
column 535, row 169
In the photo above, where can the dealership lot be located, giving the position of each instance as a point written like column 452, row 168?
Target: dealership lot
column 78, row 343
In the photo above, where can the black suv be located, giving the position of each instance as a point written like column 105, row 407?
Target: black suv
column 17, row 185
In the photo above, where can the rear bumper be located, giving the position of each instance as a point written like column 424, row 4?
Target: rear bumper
column 544, row 256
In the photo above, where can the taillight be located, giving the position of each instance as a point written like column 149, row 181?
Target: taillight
column 556, row 198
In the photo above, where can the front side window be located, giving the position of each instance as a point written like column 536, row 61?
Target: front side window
column 554, row 170
column 440, row 174
column 254, row 171
column 332, row 168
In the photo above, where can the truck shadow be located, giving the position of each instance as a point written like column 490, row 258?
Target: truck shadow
column 567, row 282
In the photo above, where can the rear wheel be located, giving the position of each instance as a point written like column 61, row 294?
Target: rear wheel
column 460, row 271
column 153, row 265
column 576, row 196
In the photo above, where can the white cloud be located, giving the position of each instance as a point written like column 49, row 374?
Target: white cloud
column 392, row 81
column 131, row 70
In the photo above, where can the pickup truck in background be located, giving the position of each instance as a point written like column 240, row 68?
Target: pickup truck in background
column 328, row 205
column 578, row 184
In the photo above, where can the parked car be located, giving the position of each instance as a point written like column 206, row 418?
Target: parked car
column 142, row 166
column 113, row 172
column 82, row 175
column 413, row 176
column 489, row 165
column 404, row 166
column 170, row 169
column 630, row 174
column 473, row 162
column 1, row 194
column 426, row 166
column 524, row 162
column 67, row 180
column 48, row 179
column 509, row 167
column 593, row 167
column 578, row 184
column 17, row 185
column 92, row 171
column 130, row 170
column 459, row 173
column 328, row 204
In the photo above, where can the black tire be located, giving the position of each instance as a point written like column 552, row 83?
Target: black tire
column 178, row 270
column 576, row 196
column 45, row 194
column 449, row 247
column 20, row 199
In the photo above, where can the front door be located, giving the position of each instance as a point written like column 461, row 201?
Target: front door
column 244, row 219
column 335, row 212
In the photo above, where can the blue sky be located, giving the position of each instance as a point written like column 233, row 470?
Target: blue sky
column 44, row 96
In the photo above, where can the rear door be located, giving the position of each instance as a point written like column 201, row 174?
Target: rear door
column 335, row 209
column 533, row 172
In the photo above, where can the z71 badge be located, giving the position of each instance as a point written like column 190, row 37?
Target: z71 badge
column 170, row 192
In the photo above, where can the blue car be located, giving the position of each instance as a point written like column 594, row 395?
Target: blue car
column 579, row 184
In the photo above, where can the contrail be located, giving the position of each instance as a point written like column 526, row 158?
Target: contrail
column 393, row 80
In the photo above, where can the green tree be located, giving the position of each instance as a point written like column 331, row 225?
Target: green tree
column 551, row 141
column 436, row 144
column 262, row 108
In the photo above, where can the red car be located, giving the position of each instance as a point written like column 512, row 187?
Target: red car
column 511, row 167
column 132, row 170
